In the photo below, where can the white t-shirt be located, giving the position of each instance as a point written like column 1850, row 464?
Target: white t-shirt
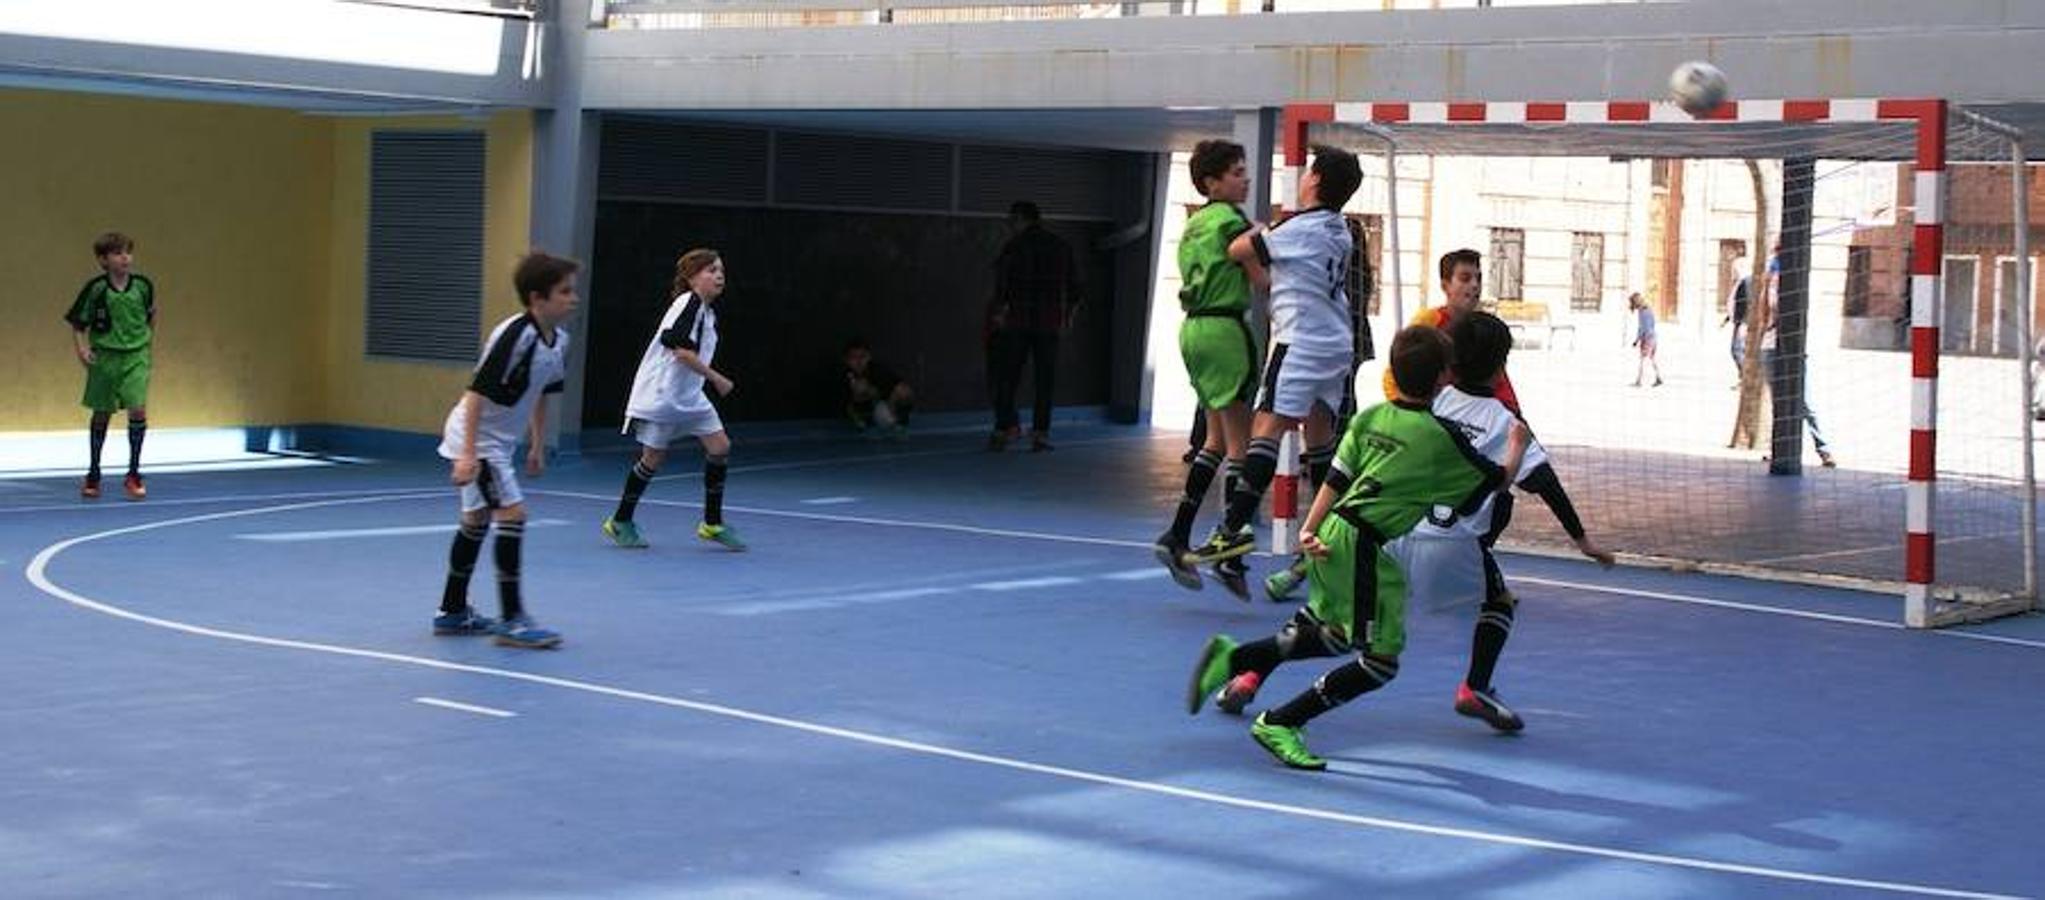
column 664, row 390
column 517, row 367
column 1487, row 424
column 1308, row 256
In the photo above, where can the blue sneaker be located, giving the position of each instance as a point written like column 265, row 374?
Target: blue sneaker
column 522, row 631
column 624, row 534
column 721, row 535
column 468, row 621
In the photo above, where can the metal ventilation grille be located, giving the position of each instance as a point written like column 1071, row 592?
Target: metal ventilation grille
column 853, row 172
column 1063, row 183
column 425, row 244
column 645, row 159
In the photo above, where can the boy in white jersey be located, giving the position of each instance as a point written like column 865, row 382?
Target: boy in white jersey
column 669, row 403
column 1450, row 554
column 522, row 360
column 1305, row 260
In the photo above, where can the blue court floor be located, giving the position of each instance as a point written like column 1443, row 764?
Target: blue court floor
column 938, row 673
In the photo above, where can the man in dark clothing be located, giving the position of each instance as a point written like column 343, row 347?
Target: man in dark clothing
column 1036, row 294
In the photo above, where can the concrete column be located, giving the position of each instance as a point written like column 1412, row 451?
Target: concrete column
column 1257, row 131
column 564, row 192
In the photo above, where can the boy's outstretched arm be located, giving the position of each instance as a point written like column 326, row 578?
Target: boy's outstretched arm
column 1544, row 483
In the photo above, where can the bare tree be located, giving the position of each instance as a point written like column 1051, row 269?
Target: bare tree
column 1746, row 425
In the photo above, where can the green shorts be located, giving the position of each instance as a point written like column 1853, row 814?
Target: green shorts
column 117, row 379
column 1221, row 359
column 1365, row 599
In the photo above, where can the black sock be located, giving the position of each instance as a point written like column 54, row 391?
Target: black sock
column 1303, row 637
column 902, row 411
column 1339, row 685
column 635, row 485
column 1318, row 461
column 1258, row 466
column 1494, row 626
column 98, row 443
column 138, row 428
column 461, row 561
column 510, row 546
column 1199, row 477
column 1231, row 479
column 714, row 468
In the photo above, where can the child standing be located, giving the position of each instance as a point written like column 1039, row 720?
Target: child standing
column 1396, row 463
column 1643, row 338
column 522, row 360
column 1219, row 352
column 668, row 401
column 113, row 321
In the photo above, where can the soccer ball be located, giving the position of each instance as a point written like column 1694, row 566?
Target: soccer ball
column 1697, row 86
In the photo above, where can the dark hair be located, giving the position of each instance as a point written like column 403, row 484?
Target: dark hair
column 112, row 242
column 1481, row 341
column 1419, row 355
column 1463, row 257
column 1340, row 176
column 690, row 263
column 857, row 344
column 1212, row 159
column 1025, row 210
column 538, row 273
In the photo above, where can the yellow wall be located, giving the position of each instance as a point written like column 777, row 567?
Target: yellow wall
column 228, row 209
column 252, row 224
column 415, row 396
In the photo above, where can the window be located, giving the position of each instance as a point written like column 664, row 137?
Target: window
column 1508, row 264
column 1859, row 266
column 1586, row 271
column 1658, row 172
column 425, row 278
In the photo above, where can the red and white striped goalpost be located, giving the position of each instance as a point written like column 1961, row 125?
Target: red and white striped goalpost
column 1926, row 263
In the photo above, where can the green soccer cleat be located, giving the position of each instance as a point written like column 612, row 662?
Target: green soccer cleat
column 1286, row 745
column 624, row 534
column 720, row 534
column 1279, row 585
column 1210, row 673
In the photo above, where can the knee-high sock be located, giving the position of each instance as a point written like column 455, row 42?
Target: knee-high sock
column 138, row 428
column 1339, row 685
column 507, row 553
column 714, row 469
column 98, row 440
column 1318, row 460
column 461, row 562
column 1487, row 640
column 1303, row 637
column 1258, row 464
column 1199, row 477
column 635, row 485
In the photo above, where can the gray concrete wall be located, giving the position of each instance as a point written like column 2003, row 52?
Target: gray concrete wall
column 1966, row 50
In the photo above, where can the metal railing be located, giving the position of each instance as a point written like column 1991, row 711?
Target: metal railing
column 655, row 14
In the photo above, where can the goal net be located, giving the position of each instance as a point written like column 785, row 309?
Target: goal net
column 1836, row 386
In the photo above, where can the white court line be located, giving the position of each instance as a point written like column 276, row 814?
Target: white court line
column 1137, row 574
column 466, row 707
column 832, row 602
column 287, row 537
column 223, row 498
column 1885, row 548
column 1023, row 584
column 1577, row 585
column 37, row 574
column 829, row 501
column 913, row 454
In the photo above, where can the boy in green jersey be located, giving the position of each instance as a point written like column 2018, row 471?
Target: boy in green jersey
column 1215, row 342
column 1396, row 465
column 112, row 323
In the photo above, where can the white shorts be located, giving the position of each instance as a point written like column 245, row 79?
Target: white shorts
column 1441, row 572
column 659, row 435
column 1294, row 380
column 495, row 487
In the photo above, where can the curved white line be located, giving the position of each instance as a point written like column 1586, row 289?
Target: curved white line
column 38, row 575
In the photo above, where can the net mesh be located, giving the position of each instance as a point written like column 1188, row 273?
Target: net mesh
column 1654, row 448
